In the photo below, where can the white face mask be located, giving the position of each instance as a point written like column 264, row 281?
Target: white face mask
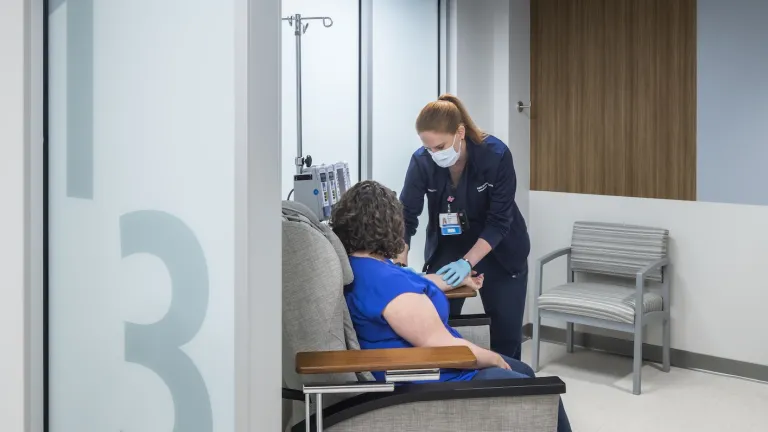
column 448, row 157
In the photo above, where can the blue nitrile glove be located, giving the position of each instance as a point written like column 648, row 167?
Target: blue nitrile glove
column 454, row 273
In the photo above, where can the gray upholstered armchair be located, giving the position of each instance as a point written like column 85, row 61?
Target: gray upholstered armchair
column 626, row 254
column 322, row 359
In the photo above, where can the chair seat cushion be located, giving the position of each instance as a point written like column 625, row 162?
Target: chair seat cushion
column 596, row 300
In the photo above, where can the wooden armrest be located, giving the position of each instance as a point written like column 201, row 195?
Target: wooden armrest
column 461, row 292
column 380, row 360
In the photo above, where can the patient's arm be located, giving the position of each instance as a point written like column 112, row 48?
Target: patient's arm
column 474, row 282
column 414, row 318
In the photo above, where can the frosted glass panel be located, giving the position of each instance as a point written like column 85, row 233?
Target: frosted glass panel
column 405, row 78
column 142, row 100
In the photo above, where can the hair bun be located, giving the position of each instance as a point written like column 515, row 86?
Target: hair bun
column 438, row 117
column 447, row 97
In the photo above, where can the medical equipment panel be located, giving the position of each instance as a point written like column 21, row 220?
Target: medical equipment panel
column 320, row 187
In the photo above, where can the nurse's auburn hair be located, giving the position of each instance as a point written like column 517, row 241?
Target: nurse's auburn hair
column 369, row 218
column 445, row 115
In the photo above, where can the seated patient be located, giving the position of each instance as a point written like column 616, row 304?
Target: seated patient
column 394, row 307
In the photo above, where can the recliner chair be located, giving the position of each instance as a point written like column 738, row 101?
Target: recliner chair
column 321, row 357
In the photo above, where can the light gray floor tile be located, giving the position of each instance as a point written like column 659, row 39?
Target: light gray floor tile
column 599, row 396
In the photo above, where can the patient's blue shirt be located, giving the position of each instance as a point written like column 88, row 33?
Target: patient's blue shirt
column 376, row 284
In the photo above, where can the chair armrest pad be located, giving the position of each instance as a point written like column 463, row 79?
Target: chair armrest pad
column 662, row 262
column 461, row 292
column 330, row 362
column 553, row 255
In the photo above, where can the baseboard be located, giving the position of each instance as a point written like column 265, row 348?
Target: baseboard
column 652, row 353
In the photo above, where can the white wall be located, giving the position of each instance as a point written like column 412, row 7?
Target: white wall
column 12, row 218
column 719, row 251
column 476, row 60
column 519, row 84
column 732, row 139
column 492, row 74
column 480, row 65
column 330, row 86
column 493, row 65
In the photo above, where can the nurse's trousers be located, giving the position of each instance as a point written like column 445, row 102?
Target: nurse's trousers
column 503, row 296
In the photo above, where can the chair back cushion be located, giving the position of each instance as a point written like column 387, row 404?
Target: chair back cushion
column 315, row 315
column 616, row 249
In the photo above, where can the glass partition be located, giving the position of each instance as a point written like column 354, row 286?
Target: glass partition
column 405, row 76
column 141, row 215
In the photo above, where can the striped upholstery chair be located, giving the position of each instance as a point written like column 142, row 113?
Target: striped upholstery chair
column 619, row 252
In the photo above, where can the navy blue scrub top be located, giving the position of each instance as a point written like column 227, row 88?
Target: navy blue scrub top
column 486, row 193
column 455, row 245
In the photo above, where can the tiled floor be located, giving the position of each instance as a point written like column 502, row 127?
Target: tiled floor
column 599, row 397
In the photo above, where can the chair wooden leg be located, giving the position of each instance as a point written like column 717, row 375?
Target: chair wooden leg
column 536, row 342
column 569, row 337
column 638, row 361
column 666, row 346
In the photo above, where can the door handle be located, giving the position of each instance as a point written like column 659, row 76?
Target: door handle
column 521, row 106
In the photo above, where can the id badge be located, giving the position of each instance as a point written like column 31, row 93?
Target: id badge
column 449, row 224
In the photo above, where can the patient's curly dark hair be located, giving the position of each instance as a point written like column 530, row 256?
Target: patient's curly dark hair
column 369, row 218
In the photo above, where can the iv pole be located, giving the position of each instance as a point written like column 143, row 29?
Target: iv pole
column 297, row 22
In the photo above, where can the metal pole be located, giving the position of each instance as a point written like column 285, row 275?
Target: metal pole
column 299, row 152
column 298, row 29
column 319, row 390
column 319, row 412
column 307, row 412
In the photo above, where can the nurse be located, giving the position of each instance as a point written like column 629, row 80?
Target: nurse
column 474, row 223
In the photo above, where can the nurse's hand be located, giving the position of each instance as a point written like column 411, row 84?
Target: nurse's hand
column 454, row 273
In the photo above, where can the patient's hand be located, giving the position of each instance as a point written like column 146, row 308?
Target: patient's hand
column 474, row 281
